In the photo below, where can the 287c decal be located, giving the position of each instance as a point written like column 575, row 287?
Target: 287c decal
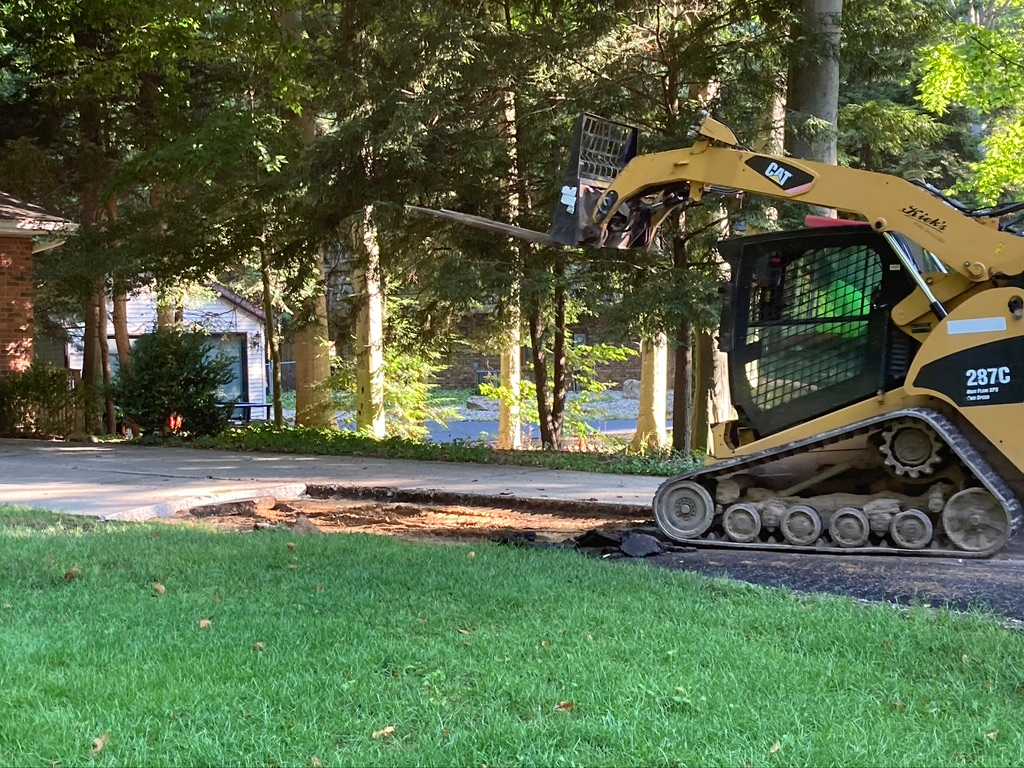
column 982, row 377
column 984, row 384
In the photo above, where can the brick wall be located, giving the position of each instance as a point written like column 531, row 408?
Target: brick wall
column 16, row 328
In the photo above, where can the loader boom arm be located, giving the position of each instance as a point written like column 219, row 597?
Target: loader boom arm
column 965, row 244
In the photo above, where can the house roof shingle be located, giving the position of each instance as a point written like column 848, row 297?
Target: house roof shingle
column 30, row 218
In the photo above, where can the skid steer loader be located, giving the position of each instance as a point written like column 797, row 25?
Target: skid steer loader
column 876, row 365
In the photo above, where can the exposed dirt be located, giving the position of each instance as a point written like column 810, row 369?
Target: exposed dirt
column 996, row 585
column 450, row 521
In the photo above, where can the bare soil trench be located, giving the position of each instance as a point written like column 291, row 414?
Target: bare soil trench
column 995, row 585
column 407, row 520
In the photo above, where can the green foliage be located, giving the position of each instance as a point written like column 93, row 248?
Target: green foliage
column 528, row 412
column 39, row 401
column 174, row 372
column 880, row 134
column 584, row 402
column 584, row 361
column 1001, row 174
column 981, row 67
column 332, row 442
column 409, row 381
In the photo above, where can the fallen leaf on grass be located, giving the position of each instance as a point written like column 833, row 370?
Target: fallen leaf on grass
column 259, row 647
column 465, row 631
column 291, row 546
column 899, row 706
column 992, row 735
column 72, row 573
column 205, row 623
column 314, row 762
column 159, row 589
column 99, row 744
column 304, row 527
column 384, row 733
column 565, row 706
column 776, row 747
column 471, row 555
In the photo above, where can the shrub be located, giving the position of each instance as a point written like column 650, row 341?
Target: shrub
column 409, row 381
column 333, row 442
column 39, row 401
column 174, row 374
column 584, row 403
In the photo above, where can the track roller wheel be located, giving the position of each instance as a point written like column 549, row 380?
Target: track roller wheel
column 911, row 529
column 975, row 521
column 685, row 510
column 801, row 525
column 742, row 522
column 849, row 527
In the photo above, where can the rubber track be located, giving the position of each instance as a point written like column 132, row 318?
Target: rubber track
column 946, row 430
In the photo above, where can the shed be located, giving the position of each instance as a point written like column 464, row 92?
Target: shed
column 233, row 323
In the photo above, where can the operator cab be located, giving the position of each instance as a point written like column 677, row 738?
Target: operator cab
column 807, row 326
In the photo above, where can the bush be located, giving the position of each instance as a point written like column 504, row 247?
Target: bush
column 409, row 381
column 174, row 373
column 333, row 442
column 39, row 401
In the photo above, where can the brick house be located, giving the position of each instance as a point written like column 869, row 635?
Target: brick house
column 25, row 229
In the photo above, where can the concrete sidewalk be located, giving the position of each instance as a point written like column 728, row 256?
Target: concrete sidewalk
column 135, row 483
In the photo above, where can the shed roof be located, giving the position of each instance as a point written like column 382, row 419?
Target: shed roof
column 17, row 216
column 239, row 301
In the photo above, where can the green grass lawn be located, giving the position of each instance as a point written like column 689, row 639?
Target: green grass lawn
column 508, row 657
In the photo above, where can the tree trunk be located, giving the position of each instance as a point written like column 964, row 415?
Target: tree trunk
column 314, row 405
column 510, row 424
column 91, row 163
column 772, row 140
column 704, row 376
column 519, row 197
column 121, row 338
column 92, row 374
column 366, row 282
column 102, row 334
column 813, row 83
column 682, row 378
column 682, row 387
column 650, row 425
column 559, row 367
column 165, row 315
column 538, row 330
column 119, row 301
column 273, row 342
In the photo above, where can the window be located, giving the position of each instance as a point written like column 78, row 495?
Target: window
column 810, row 318
column 232, row 347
